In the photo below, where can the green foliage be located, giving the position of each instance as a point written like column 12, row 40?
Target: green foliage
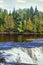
column 36, row 11
column 20, row 27
column 31, row 13
column 29, row 26
column 24, row 25
column 9, row 22
column 22, row 20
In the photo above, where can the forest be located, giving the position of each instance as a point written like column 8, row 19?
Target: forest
column 21, row 20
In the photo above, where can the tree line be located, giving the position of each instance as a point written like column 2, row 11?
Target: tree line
column 21, row 20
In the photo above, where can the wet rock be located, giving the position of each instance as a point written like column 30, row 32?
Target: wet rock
column 2, row 60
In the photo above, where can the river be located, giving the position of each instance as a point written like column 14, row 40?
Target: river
column 21, row 50
column 18, row 38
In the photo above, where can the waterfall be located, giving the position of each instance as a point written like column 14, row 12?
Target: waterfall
column 17, row 55
column 38, row 55
column 11, row 52
column 23, row 55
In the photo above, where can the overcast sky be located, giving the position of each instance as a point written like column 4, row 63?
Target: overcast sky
column 10, row 4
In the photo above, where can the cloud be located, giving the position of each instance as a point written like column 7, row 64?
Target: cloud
column 10, row 4
column 40, row 0
column 1, row 1
column 21, row 1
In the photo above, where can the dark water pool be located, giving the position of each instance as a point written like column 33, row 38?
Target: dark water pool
column 18, row 38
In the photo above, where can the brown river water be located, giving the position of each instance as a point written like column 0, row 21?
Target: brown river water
column 18, row 38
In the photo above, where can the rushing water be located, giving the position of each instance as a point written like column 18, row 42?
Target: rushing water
column 15, row 50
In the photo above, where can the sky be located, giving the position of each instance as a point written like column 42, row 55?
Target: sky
column 10, row 4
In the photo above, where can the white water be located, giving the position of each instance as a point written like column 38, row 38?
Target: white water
column 39, row 55
column 24, row 55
